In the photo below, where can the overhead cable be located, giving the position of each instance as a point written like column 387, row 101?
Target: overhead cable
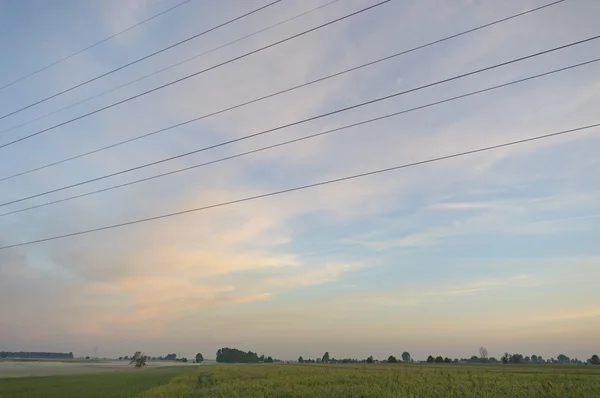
column 303, row 187
column 193, row 74
column 361, row 104
column 168, row 67
column 93, row 45
column 136, row 61
column 361, row 123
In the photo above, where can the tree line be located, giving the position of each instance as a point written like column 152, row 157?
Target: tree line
column 35, row 355
column 233, row 355
column 482, row 358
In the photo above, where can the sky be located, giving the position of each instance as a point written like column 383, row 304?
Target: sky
column 496, row 249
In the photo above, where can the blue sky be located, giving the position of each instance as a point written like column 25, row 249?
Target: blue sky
column 496, row 249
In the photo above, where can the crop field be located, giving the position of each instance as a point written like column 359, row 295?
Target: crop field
column 304, row 380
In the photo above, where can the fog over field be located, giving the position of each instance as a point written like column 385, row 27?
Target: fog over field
column 52, row 368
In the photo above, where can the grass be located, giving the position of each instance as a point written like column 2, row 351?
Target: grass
column 122, row 383
column 273, row 380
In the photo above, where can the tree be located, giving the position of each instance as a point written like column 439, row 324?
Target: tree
column 300, row 359
column 505, row 358
column 138, row 359
column 269, row 360
column 447, row 360
column 87, row 358
column 120, row 358
column 392, row 359
column 370, row 359
column 534, row 359
column 184, row 360
column 430, row 359
column 233, row 355
column 439, row 359
column 483, row 354
column 405, row 356
column 562, row 358
column 515, row 358
column 325, row 358
column 595, row 360
column 199, row 358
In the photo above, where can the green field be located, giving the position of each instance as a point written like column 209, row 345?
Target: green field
column 124, row 383
column 273, row 380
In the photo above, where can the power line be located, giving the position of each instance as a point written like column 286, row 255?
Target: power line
column 137, row 60
column 273, row 94
column 303, row 187
column 463, row 75
column 303, row 138
column 277, row 93
column 197, row 73
column 170, row 66
column 93, row 45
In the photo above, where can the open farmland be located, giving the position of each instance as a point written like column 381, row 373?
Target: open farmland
column 30, row 368
column 286, row 380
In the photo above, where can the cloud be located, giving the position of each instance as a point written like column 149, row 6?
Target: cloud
column 316, row 265
column 426, row 295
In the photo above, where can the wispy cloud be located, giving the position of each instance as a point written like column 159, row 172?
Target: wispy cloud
column 475, row 226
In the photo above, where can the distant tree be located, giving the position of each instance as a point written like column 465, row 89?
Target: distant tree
column 300, row 359
column 562, row 358
column 534, row 359
column 154, row 358
column 370, row 359
column 516, row 358
column 71, row 355
column 325, row 358
column 447, row 360
column 392, row 359
column 455, row 360
column 199, row 358
column 483, row 354
column 3, row 354
column 430, row 359
column 505, row 358
column 261, row 358
column 595, row 360
column 439, row 359
column 184, row 360
column 474, row 359
column 87, row 358
column 138, row 359
column 269, row 360
column 120, row 358
column 233, row 355
column 405, row 356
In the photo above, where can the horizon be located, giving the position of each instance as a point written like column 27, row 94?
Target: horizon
column 496, row 249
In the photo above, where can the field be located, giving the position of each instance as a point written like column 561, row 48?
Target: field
column 25, row 367
column 287, row 380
